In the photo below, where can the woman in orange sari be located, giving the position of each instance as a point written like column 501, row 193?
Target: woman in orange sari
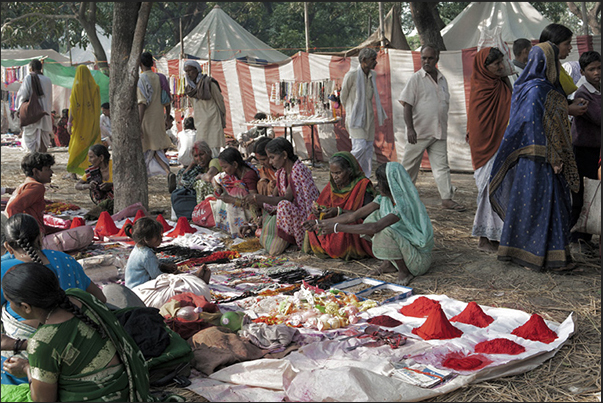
column 348, row 190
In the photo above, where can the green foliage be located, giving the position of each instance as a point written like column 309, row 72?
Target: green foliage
column 334, row 26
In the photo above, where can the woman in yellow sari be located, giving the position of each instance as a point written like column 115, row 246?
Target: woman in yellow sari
column 84, row 122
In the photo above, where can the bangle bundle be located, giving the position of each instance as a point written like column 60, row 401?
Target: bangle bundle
column 18, row 345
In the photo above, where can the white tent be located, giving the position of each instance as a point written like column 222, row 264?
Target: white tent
column 81, row 55
column 227, row 39
column 515, row 19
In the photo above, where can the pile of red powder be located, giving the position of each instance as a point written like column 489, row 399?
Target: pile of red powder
column 437, row 326
column 473, row 315
column 499, row 346
column 420, row 308
column 384, row 320
column 460, row 362
column 535, row 329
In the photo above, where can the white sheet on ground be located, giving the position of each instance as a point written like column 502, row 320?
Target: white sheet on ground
column 324, row 371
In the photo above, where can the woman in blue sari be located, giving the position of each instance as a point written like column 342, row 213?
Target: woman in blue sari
column 396, row 222
column 535, row 172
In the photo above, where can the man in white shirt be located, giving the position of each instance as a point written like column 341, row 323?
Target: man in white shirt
column 36, row 136
column 357, row 92
column 105, row 124
column 426, row 100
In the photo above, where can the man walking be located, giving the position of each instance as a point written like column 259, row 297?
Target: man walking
column 426, row 99
column 357, row 92
column 37, row 135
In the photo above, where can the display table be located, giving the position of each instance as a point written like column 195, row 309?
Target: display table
column 290, row 123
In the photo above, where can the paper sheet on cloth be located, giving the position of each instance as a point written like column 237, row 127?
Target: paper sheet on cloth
column 324, row 371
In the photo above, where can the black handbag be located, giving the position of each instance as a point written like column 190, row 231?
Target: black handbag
column 184, row 201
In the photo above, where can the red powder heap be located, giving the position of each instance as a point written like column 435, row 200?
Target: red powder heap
column 420, row 308
column 77, row 222
column 473, row 315
column 499, row 346
column 384, row 320
column 437, row 326
column 139, row 214
column 122, row 231
column 182, row 227
column 105, row 226
column 535, row 329
column 166, row 226
column 460, row 362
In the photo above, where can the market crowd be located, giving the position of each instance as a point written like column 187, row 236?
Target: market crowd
column 534, row 133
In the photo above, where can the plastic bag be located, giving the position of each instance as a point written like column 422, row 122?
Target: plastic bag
column 493, row 38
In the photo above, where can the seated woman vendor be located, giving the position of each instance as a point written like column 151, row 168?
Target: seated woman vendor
column 348, row 190
column 291, row 202
column 23, row 243
column 98, row 180
column 237, row 180
column 396, row 223
column 79, row 352
column 193, row 183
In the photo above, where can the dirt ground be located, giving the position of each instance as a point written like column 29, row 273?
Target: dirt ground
column 459, row 270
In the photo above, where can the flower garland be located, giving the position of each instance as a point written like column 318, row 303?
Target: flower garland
column 59, row 207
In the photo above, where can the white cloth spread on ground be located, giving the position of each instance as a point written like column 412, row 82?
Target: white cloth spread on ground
column 324, row 371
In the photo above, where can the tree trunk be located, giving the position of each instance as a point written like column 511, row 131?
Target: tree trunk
column 592, row 16
column 89, row 24
column 427, row 26
column 129, row 170
column 436, row 16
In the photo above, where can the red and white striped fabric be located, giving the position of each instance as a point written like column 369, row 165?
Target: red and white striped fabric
column 246, row 91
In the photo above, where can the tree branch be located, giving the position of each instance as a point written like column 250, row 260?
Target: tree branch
column 9, row 21
column 574, row 9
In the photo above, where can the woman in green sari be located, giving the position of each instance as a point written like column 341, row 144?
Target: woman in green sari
column 396, row 223
column 80, row 352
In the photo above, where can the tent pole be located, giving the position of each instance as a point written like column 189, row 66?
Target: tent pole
column 306, row 25
column 181, row 41
column 369, row 26
column 208, row 55
column 381, row 35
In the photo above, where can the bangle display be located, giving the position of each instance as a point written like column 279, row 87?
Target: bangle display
column 335, row 228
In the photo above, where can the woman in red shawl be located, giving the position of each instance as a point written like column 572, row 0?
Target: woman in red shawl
column 348, row 190
column 487, row 119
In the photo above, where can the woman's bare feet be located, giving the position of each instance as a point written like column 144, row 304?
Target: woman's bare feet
column 204, row 273
column 404, row 279
column 385, row 267
column 487, row 245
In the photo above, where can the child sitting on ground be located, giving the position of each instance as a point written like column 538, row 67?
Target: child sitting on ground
column 143, row 265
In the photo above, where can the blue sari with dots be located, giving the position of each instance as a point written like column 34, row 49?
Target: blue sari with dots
column 533, row 201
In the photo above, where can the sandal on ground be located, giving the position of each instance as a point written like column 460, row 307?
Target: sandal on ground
column 570, row 268
column 455, row 207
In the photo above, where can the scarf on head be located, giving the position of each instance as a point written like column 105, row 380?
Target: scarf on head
column 488, row 112
column 200, row 88
column 358, row 118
